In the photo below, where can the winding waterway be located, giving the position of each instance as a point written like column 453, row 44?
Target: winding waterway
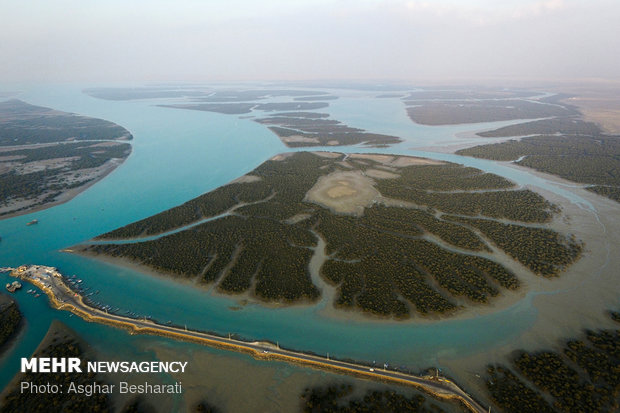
column 179, row 154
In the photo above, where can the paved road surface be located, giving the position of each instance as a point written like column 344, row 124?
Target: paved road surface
column 62, row 297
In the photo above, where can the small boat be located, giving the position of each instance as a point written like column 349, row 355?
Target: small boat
column 34, row 221
column 37, row 295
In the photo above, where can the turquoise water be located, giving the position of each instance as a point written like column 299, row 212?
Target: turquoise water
column 179, row 154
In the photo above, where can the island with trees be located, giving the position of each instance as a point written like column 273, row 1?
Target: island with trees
column 288, row 113
column 47, row 156
column 297, row 129
column 582, row 375
column 393, row 235
column 451, row 108
column 567, row 147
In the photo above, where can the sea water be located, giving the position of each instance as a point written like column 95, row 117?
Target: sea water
column 179, row 154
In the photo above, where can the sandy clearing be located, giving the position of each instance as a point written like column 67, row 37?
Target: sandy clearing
column 55, row 163
column 397, row 161
column 11, row 158
column 345, row 164
column 106, row 144
column 87, row 178
column 410, row 160
column 282, row 156
column 376, row 158
column 246, row 179
column 347, row 192
column 379, row 174
column 298, row 138
column 331, row 155
column 297, row 218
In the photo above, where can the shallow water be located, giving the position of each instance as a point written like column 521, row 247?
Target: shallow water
column 179, row 154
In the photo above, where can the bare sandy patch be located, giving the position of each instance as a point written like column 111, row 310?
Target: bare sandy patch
column 281, row 157
column 105, row 144
column 81, row 178
column 397, row 161
column 333, row 143
column 599, row 102
column 11, row 158
column 376, row 158
column 379, row 174
column 7, row 167
column 299, row 138
column 347, row 192
column 297, row 218
column 330, row 155
column 246, row 179
column 33, row 146
column 411, row 160
column 43, row 165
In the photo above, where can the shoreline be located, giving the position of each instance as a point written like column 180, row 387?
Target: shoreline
column 438, row 387
column 65, row 196
column 576, row 300
column 22, row 326
column 238, row 300
column 504, row 300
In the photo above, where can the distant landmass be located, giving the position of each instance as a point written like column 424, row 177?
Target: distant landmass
column 47, row 156
column 297, row 124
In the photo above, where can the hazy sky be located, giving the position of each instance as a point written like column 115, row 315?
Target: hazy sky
column 412, row 40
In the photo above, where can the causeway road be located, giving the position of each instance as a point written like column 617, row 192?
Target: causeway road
column 62, row 297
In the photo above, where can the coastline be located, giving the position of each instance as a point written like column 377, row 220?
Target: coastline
column 55, row 288
column 502, row 301
column 239, row 300
column 576, row 300
column 69, row 194
column 20, row 330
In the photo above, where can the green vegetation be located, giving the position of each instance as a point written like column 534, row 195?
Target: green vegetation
column 138, row 405
column 16, row 401
column 403, row 254
column 583, row 377
column 316, row 130
column 24, row 124
column 444, row 187
column 565, row 126
column 205, row 407
column 341, row 399
column 10, row 319
column 512, row 395
column 71, row 170
column 593, row 160
column 66, row 154
column 374, row 275
column 464, row 111
column 241, row 251
column 542, row 250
